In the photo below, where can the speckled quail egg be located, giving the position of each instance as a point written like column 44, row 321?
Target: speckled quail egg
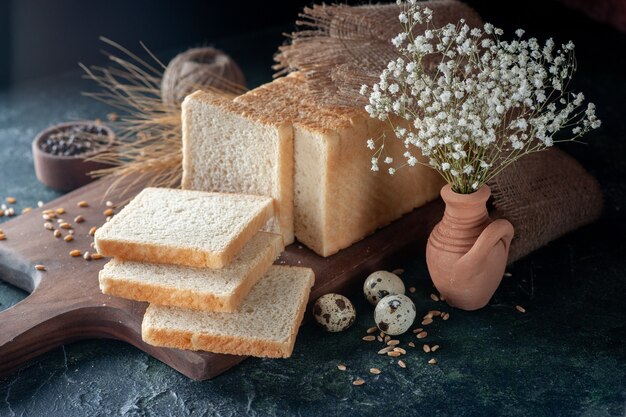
column 381, row 284
column 394, row 314
column 334, row 312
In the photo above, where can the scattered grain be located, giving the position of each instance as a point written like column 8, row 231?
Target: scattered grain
column 412, row 290
column 10, row 211
column 398, row 271
column 1, row 213
column 418, row 330
column 393, row 342
column 3, row 236
column 520, row 309
column 411, row 344
column 393, row 354
column 385, row 350
column 399, row 350
column 358, row 382
column 11, row 200
column 82, row 204
column 426, row 348
column 427, row 321
column 445, row 316
column 108, row 212
column 79, row 219
column 60, row 210
column 434, row 348
column 434, row 297
column 387, row 338
column 341, row 367
column 508, row 274
column 96, row 256
column 68, row 238
column 65, row 225
column 432, row 361
column 26, row 210
column 92, row 231
column 109, row 204
column 380, row 339
column 71, row 231
column 75, row 253
column 40, row 267
column 369, row 338
column 401, row 364
column 48, row 226
column 39, row 204
column 422, row 335
column 375, row 371
column 434, row 313
column 372, row 330
column 57, row 233
column 87, row 256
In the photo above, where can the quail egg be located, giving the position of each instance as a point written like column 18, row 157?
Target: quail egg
column 334, row 312
column 381, row 284
column 394, row 314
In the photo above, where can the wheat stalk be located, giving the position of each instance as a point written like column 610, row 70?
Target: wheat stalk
column 147, row 147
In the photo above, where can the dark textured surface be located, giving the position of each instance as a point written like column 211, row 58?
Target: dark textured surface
column 565, row 356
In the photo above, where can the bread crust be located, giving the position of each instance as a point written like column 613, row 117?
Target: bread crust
column 166, row 295
column 130, row 250
column 232, row 345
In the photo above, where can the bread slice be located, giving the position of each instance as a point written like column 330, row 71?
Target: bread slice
column 194, row 288
column 182, row 227
column 337, row 199
column 227, row 148
column 264, row 325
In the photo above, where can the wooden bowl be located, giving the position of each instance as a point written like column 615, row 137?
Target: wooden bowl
column 65, row 173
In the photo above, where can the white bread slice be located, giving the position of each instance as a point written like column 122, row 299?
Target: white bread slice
column 182, row 227
column 227, row 149
column 265, row 324
column 193, row 288
column 338, row 200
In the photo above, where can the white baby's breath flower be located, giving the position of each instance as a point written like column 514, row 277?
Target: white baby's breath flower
column 363, row 90
column 388, row 160
column 392, row 171
column 488, row 101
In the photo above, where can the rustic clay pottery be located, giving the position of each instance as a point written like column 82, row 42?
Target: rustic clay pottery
column 467, row 251
column 65, row 173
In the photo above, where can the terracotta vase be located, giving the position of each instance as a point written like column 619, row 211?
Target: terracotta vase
column 467, row 251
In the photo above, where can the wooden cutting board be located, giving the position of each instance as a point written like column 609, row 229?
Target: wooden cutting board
column 65, row 303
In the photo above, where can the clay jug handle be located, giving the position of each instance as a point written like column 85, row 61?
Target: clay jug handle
column 500, row 230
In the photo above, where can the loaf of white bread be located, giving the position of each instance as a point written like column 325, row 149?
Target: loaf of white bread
column 246, row 307
column 278, row 141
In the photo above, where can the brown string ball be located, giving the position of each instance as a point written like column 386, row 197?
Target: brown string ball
column 197, row 68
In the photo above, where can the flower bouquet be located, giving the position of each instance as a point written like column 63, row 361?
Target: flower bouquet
column 468, row 103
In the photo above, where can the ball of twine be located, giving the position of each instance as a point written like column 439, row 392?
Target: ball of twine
column 197, row 68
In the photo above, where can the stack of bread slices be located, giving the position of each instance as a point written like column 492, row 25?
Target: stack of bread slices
column 205, row 267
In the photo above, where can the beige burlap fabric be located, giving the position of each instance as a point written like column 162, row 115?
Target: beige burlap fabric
column 341, row 47
column 544, row 195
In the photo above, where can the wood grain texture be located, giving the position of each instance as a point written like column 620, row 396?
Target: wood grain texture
column 65, row 303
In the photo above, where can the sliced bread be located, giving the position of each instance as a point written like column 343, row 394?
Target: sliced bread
column 227, row 147
column 194, row 288
column 336, row 199
column 264, row 325
column 183, row 227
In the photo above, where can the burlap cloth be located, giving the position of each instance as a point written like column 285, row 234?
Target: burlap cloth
column 544, row 195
